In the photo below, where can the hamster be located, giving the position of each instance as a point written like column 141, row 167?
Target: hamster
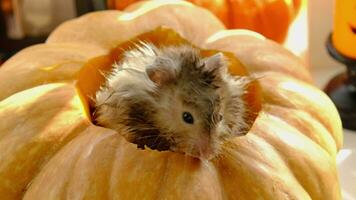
column 171, row 98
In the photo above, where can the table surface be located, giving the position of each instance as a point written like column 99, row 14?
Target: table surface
column 346, row 159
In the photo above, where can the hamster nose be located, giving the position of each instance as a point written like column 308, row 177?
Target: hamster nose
column 205, row 149
column 206, row 154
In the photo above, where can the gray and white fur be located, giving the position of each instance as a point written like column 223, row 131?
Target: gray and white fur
column 148, row 92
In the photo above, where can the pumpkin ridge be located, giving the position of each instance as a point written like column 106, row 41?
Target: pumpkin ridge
column 89, row 186
column 258, row 60
column 311, row 114
column 223, row 193
column 60, row 64
column 36, row 146
column 90, row 33
column 162, row 181
column 314, row 189
column 275, row 92
column 264, row 169
column 320, row 140
column 111, row 193
column 44, row 175
column 312, row 140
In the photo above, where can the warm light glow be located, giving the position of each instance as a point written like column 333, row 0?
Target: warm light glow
column 127, row 16
column 344, row 33
column 67, row 116
column 346, row 195
column 49, row 68
column 343, row 155
column 132, row 15
column 302, row 89
column 84, row 102
column 28, row 96
column 288, row 134
column 297, row 39
column 227, row 33
column 59, row 65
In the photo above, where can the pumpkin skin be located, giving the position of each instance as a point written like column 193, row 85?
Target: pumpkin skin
column 270, row 18
column 50, row 149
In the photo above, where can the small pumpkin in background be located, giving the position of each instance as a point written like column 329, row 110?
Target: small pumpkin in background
column 270, row 18
column 51, row 149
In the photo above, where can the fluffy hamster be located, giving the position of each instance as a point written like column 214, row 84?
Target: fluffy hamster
column 171, row 98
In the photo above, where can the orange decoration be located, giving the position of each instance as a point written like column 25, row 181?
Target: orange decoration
column 6, row 6
column 270, row 18
column 344, row 33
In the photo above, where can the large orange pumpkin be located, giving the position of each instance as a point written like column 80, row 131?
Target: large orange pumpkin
column 270, row 18
column 50, row 149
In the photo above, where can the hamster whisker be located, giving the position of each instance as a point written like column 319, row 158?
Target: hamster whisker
column 141, row 128
column 146, row 136
column 159, row 143
column 129, row 69
column 108, row 97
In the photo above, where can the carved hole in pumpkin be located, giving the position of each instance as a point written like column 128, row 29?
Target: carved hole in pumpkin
column 91, row 76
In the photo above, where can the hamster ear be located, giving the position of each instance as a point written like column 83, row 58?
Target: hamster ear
column 160, row 75
column 215, row 64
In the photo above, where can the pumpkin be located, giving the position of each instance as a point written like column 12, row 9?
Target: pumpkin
column 51, row 149
column 270, row 18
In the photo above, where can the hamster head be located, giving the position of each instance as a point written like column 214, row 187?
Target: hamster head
column 176, row 100
column 189, row 99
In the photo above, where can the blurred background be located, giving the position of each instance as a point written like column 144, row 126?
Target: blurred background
column 302, row 26
column 27, row 22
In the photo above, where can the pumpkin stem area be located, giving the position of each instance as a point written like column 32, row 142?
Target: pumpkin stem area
column 92, row 75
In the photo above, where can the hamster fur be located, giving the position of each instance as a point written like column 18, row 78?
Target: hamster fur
column 171, row 98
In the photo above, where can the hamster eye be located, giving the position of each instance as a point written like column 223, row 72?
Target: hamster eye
column 188, row 118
